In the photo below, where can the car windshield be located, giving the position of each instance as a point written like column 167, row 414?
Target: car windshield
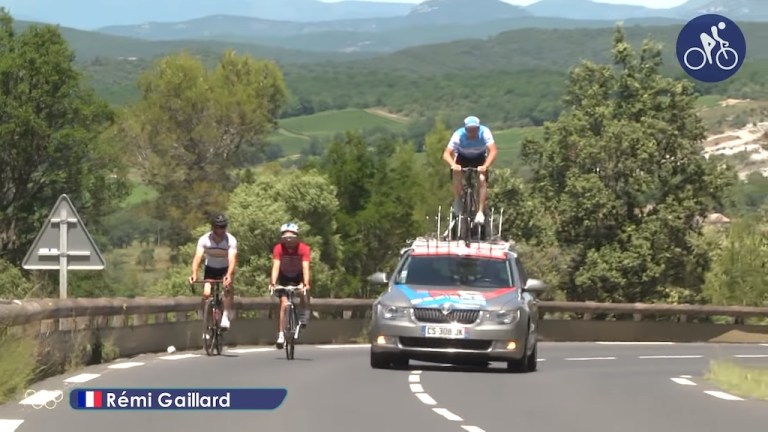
column 458, row 271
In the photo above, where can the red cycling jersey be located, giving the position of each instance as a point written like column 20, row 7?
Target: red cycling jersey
column 290, row 260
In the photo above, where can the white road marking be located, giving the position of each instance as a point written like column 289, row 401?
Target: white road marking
column 763, row 344
column 751, row 355
column 249, row 350
column 538, row 360
column 10, row 425
column 590, row 358
column 414, row 378
column 81, row 378
column 426, row 399
column 125, row 365
column 670, row 356
column 179, row 356
column 472, row 428
column 685, row 376
column 416, row 372
column 447, row 414
column 723, row 395
column 344, row 346
column 635, row 343
column 417, row 388
column 683, row 381
column 42, row 397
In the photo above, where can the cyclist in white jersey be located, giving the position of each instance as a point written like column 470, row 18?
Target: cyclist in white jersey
column 220, row 250
column 471, row 146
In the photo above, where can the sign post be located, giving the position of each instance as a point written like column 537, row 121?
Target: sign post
column 64, row 244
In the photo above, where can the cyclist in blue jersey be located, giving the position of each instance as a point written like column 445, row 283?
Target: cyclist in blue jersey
column 471, row 146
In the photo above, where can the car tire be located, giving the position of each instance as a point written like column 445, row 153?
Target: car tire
column 380, row 361
column 529, row 362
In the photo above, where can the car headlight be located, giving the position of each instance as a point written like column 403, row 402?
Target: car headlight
column 393, row 312
column 504, row 316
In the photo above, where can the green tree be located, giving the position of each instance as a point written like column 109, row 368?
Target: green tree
column 622, row 176
column 51, row 127
column 190, row 125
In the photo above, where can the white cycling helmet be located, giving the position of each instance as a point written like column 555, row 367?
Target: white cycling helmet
column 289, row 228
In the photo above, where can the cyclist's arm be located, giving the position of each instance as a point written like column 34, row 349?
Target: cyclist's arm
column 275, row 265
column 232, row 257
column 449, row 154
column 305, row 260
column 199, row 251
column 490, row 144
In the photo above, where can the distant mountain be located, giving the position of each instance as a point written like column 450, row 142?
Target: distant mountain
column 737, row 10
column 92, row 14
column 586, row 9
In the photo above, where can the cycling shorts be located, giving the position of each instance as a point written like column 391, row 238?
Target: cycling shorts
column 471, row 162
column 288, row 281
column 215, row 272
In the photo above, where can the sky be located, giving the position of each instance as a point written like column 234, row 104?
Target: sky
column 647, row 3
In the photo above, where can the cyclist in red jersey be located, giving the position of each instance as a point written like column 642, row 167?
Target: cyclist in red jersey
column 290, row 266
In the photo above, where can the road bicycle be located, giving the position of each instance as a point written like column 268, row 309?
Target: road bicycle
column 212, row 309
column 292, row 325
column 465, row 221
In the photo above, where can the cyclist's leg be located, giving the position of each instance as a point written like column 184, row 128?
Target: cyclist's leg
column 481, row 186
column 283, row 296
column 219, row 273
column 303, row 307
column 457, row 183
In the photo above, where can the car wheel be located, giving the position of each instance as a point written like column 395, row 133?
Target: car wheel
column 380, row 361
column 529, row 362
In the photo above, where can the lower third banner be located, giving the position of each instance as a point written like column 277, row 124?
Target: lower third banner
column 177, row 399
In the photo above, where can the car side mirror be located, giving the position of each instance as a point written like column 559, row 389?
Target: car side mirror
column 378, row 278
column 536, row 286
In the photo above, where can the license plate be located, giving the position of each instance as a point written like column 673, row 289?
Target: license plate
column 444, row 332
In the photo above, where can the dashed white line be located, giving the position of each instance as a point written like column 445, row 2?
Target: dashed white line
column 751, row 355
column 10, row 425
column 125, row 365
column 723, row 395
column 414, row 378
column 683, row 381
column 81, row 378
column 426, row 399
column 417, row 388
column 249, row 350
column 670, row 356
column 42, row 397
column 179, row 356
column 685, row 376
column 472, row 428
column 447, row 414
column 344, row 346
column 417, row 372
column 590, row 358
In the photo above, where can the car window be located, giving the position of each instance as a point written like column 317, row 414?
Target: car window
column 456, row 271
column 521, row 271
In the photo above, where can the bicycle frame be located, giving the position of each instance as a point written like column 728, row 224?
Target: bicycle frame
column 292, row 326
column 212, row 310
column 469, row 203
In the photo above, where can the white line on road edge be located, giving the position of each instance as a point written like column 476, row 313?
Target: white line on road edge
column 447, row 414
column 426, row 399
column 249, row 350
column 42, row 397
column 635, row 343
column 722, row 395
column 763, row 344
column 10, row 425
column 125, row 365
column 179, row 356
column 414, row 378
column 590, row 358
column 683, row 381
column 416, row 372
column 670, row 356
column 81, row 378
column 344, row 346
column 751, row 355
column 472, row 429
column 685, row 376
column 417, row 388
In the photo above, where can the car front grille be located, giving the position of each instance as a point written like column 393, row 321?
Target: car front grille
column 427, row 315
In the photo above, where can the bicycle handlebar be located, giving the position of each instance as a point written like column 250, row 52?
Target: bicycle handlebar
column 288, row 288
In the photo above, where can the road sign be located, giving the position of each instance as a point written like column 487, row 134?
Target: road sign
column 64, row 244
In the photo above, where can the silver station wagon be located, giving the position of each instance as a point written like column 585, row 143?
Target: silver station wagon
column 456, row 304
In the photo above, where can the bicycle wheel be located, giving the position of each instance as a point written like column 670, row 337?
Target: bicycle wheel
column 217, row 330
column 469, row 211
column 208, row 333
column 290, row 331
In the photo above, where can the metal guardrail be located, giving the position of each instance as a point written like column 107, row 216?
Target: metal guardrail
column 121, row 312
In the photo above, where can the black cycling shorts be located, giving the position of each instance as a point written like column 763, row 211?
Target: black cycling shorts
column 288, row 281
column 467, row 162
column 215, row 272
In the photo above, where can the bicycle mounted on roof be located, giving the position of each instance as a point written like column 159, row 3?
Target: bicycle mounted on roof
column 463, row 227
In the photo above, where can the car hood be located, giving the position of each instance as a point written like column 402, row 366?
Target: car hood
column 435, row 297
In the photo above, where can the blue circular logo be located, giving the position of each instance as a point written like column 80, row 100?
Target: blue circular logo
column 711, row 48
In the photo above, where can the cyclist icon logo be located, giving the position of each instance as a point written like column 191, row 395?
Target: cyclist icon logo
column 696, row 48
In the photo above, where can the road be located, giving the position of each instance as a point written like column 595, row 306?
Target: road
column 579, row 387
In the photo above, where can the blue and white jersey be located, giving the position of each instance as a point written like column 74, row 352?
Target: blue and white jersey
column 460, row 144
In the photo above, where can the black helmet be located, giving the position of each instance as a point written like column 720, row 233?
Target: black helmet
column 220, row 220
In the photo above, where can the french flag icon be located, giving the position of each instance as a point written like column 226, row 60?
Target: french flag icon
column 89, row 399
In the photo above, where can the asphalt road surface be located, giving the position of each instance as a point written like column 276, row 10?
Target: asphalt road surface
column 579, row 387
